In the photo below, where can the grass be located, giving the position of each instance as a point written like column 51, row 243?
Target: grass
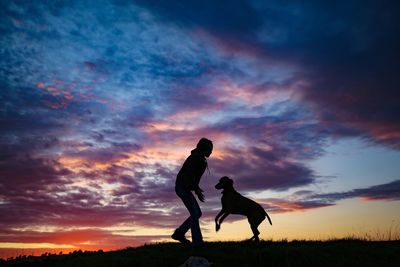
column 344, row 252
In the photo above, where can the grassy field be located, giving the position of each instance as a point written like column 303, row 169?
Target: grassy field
column 265, row 253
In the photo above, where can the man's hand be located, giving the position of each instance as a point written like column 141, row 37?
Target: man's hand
column 199, row 193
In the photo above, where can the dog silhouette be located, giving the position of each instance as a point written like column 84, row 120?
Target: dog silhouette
column 235, row 203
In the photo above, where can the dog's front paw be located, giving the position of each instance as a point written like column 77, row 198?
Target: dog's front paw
column 217, row 227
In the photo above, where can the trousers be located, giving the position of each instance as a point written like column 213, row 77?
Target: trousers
column 192, row 222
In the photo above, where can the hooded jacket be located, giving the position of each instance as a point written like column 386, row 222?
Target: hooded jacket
column 193, row 168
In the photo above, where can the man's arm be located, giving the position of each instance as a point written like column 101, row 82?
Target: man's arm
column 198, row 169
column 199, row 193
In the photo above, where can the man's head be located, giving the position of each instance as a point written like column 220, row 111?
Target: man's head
column 205, row 146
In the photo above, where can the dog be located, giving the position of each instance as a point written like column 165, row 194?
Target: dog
column 235, row 203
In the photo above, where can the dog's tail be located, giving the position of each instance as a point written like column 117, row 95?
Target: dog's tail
column 269, row 219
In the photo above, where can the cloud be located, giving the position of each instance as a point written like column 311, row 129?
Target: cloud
column 30, row 174
column 255, row 171
column 276, row 205
column 113, row 152
column 350, row 70
column 388, row 191
column 102, row 103
column 306, row 199
column 85, row 239
column 237, row 18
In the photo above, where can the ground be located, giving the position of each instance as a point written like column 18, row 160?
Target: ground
column 265, row 253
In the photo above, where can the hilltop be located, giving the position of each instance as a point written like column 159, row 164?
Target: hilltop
column 265, row 253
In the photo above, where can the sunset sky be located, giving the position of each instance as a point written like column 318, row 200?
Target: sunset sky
column 102, row 101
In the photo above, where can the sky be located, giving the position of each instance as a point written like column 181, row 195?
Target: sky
column 102, row 101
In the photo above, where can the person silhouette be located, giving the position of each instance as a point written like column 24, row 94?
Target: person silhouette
column 187, row 181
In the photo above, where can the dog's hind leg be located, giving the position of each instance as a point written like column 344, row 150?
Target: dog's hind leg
column 254, row 227
column 256, row 233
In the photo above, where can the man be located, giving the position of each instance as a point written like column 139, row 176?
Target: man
column 187, row 181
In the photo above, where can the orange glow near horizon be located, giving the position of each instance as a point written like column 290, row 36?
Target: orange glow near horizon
column 339, row 221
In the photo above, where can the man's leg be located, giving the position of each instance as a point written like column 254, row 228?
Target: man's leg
column 195, row 215
column 193, row 221
column 185, row 226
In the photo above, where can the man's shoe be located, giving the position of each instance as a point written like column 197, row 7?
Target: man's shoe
column 181, row 238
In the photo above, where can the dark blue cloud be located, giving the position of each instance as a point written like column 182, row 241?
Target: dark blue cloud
column 108, row 153
column 307, row 199
column 254, row 170
column 388, row 191
column 237, row 18
column 346, row 51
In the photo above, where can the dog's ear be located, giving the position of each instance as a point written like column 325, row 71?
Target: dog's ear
column 227, row 180
column 223, row 178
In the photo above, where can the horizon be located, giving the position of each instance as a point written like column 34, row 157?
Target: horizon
column 102, row 103
column 38, row 252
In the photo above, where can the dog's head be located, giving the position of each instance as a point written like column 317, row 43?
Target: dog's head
column 224, row 182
